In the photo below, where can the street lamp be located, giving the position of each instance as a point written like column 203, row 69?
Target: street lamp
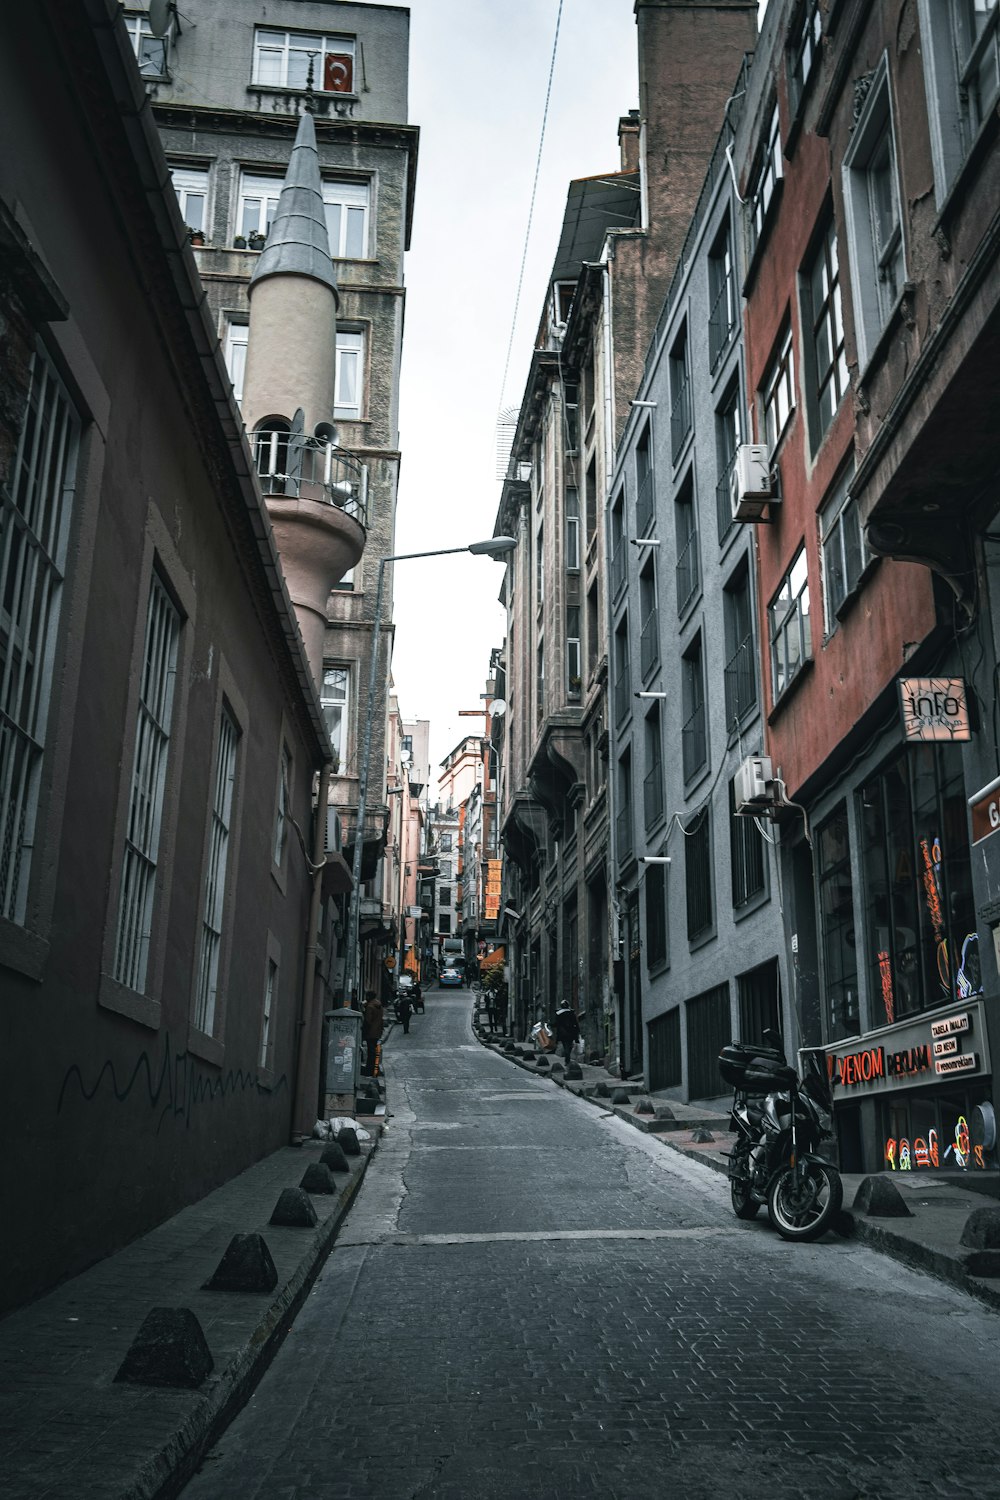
column 495, row 547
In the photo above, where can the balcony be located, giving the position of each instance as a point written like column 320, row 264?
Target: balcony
column 301, row 467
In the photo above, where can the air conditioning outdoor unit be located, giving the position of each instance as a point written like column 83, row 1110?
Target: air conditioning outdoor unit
column 753, row 786
column 751, row 489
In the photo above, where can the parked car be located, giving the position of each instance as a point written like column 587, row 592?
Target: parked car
column 452, row 975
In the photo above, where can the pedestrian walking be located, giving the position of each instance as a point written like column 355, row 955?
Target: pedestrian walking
column 372, row 1027
column 403, row 1010
column 567, row 1029
column 491, row 1009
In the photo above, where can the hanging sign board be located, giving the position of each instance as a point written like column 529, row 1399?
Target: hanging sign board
column 934, row 708
column 984, row 810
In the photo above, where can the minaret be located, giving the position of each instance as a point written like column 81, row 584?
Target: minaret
column 314, row 496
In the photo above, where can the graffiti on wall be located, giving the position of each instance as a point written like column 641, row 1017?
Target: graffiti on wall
column 173, row 1089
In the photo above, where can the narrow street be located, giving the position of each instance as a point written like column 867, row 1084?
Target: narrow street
column 531, row 1299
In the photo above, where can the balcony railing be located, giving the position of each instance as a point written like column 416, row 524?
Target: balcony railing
column 688, row 573
column 307, row 469
column 623, row 830
column 644, row 504
column 680, row 412
column 649, row 643
column 723, row 499
column 623, row 692
column 741, row 682
column 720, row 319
column 652, row 794
column 694, row 748
column 618, row 567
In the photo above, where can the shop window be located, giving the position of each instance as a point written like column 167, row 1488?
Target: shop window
column 837, row 932
column 709, row 1028
column 934, row 1132
column 922, row 947
column 760, row 1002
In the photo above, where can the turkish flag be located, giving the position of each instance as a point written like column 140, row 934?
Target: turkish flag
column 338, row 73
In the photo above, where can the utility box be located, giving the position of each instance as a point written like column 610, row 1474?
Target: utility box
column 753, row 786
column 343, row 1059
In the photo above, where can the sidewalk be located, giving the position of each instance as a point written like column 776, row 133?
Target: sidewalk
column 67, row 1429
column 940, row 1204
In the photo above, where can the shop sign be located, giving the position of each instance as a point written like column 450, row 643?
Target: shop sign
column 934, row 708
column 984, row 811
column 945, row 1048
column 491, row 908
column 965, row 1062
column 912, row 1053
column 948, row 1025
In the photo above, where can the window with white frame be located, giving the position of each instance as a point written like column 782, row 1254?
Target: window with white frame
column 267, row 1014
column 804, row 37
column 540, row 567
column 842, row 543
column 191, row 187
column 573, row 661
column 157, row 685
column 346, row 206
column 236, row 336
column 350, row 374
column 681, row 408
column 572, row 529
column 282, row 810
column 35, row 511
column 257, row 202
column 826, row 318
column 281, row 60
column 150, row 50
column 721, row 295
column 223, row 784
column 765, row 178
column 335, row 699
column 961, row 59
column 777, row 394
column 872, row 209
column 789, row 626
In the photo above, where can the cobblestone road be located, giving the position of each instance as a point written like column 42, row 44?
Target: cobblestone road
column 530, row 1299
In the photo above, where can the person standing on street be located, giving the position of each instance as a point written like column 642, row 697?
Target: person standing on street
column 403, row 1009
column 567, row 1029
column 372, row 1026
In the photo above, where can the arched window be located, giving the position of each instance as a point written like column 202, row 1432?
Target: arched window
column 271, row 453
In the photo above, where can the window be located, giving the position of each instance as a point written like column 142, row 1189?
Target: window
column 346, row 208
column 962, row 70
column 257, row 203
column 191, row 188
column 571, row 415
column 149, row 774
column 644, row 495
column 843, row 547
column 540, row 682
column 656, row 916
column 709, row 1028
column 649, row 640
column 281, row 60
column 444, row 895
column 694, row 740
column 590, row 498
column 826, row 320
column 746, row 849
column 618, row 568
column 573, row 663
column 664, row 1051
column 804, row 39
column 728, row 436
column 741, row 670
column 572, row 530
column 698, row 875
column 215, row 876
column 444, row 869
column 721, row 296
column 871, row 204
column 789, row 626
column 777, row 394
column 652, row 789
column 623, row 673
column 236, row 335
column 282, row 810
column 688, row 567
column 680, row 395
column 446, row 843
column 623, row 821
column 267, row 1014
column 593, row 630
column 765, row 178
column 35, row 513
column 335, row 699
column 150, row 50
column 350, row 375
column 837, row 930
column 444, row 922
column 760, row 1001
column 540, row 567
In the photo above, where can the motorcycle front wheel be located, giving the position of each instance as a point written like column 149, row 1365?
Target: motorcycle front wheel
column 744, row 1206
column 802, row 1207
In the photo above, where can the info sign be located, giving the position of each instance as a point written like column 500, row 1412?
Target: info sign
column 934, row 708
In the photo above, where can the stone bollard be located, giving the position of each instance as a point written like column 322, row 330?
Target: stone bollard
column 574, row 1073
column 170, row 1349
column 294, row 1210
column 317, row 1179
column 702, row 1136
column 879, row 1198
column 335, row 1158
column 246, row 1267
column 621, row 1096
column 348, row 1141
column 645, row 1106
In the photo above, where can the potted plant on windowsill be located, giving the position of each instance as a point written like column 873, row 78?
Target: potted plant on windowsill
column 196, row 236
column 240, row 242
column 256, row 241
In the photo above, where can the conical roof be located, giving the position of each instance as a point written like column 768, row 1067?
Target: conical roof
column 297, row 242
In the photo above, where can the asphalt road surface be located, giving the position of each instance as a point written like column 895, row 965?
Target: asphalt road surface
column 532, row 1299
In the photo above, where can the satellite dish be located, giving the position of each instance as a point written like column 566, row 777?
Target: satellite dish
column 497, row 708
column 160, row 16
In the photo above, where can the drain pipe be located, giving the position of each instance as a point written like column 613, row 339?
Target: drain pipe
column 310, row 1019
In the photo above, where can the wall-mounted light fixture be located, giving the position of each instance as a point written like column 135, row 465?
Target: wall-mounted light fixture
column 643, row 541
column 644, row 405
column 650, row 695
column 654, row 859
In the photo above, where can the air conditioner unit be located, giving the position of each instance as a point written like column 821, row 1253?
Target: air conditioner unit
column 753, row 786
column 750, row 487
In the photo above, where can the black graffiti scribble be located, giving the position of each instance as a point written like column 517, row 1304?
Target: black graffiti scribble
column 181, row 1083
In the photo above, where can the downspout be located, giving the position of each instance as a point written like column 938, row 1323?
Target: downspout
column 310, row 1019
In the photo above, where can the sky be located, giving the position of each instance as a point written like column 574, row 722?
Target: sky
column 478, row 77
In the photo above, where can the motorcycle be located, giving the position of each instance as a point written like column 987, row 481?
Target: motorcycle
column 780, row 1121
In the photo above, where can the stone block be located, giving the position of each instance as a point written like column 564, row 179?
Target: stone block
column 246, row 1267
column 982, row 1230
column 348, row 1141
column 335, row 1158
column 574, row 1073
column 621, row 1096
column 541, row 1061
column 294, row 1209
column 880, row 1198
column 702, row 1136
column 645, row 1107
column 664, row 1112
column 170, row 1349
column 317, row 1179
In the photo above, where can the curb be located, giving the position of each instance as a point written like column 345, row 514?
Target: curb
column 164, row 1475
column 876, row 1236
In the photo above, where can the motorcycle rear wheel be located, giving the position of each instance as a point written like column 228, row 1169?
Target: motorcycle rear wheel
column 744, row 1205
column 807, row 1209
